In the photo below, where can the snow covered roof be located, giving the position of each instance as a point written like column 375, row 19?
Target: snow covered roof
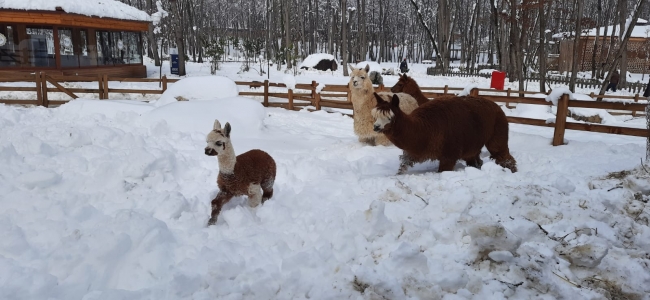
column 641, row 30
column 98, row 8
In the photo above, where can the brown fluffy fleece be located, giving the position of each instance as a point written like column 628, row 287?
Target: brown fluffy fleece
column 447, row 129
column 251, row 173
column 408, row 85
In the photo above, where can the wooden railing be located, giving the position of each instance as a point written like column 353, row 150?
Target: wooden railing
column 338, row 97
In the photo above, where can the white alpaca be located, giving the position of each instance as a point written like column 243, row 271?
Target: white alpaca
column 251, row 173
column 363, row 101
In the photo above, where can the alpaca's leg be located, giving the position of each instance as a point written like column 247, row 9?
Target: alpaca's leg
column 498, row 147
column 506, row 160
column 218, row 202
column 367, row 140
column 381, row 139
column 405, row 162
column 475, row 161
column 267, row 189
column 446, row 165
column 254, row 194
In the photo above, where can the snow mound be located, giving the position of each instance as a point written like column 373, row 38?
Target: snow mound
column 199, row 88
column 289, row 81
column 373, row 66
column 492, row 236
column 243, row 114
column 467, row 90
column 312, row 60
column 108, row 108
column 555, row 95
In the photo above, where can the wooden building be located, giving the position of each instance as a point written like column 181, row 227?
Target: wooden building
column 638, row 48
column 69, row 37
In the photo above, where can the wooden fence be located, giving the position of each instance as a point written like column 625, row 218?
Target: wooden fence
column 632, row 87
column 338, row 97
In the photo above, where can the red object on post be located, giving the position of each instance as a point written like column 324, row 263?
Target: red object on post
column 498, row 80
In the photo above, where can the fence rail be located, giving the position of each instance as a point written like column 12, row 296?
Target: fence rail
column 337, row 97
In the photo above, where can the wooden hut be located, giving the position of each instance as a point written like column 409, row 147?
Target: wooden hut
column 72, row 37
column 638, row 48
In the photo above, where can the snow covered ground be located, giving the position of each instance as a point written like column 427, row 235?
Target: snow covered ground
column 110, row 199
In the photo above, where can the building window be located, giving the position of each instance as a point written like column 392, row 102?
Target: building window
column 9, row 55
column 37, row 49
column 118, row 48
column 73, row 48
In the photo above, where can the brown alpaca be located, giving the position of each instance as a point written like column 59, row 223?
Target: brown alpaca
column 448, row 129
column 408, row 85
column 244, row 174
column 363, row 101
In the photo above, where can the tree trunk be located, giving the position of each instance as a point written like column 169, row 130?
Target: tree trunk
column 542, row 46
column 576, row 46
column 287, row 34
column 623, row 14
column 180, row 42
column 623, row 47
column 344, row 37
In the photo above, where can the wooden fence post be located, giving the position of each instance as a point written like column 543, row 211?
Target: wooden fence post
column 266, row 93
column 46, row 101
column 39, row 88
column 381, row 87
column 315, row 95
column 105, row 80
column 474, row 92
column 636, row 99
column 446, row 90
column 164, row 83
column 101, row 87
column 560, row 120
column 290, row 97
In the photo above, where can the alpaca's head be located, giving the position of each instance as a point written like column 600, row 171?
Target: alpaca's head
column 359, row 78
column 218, row 140
column 404, row 84
column 384, row 113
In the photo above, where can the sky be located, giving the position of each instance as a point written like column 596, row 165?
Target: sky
column 110, row 200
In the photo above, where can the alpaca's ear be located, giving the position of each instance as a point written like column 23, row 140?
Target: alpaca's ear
column 404, row 76
column 379, row 99
column 351, row 67
column 395, row 101
column 217, row 125
column 367, row 68
column 227, row 130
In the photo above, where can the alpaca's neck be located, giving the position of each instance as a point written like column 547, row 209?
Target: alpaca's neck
column 416, row 93
column 367, row 97
column 227, row 160
column 404, row 129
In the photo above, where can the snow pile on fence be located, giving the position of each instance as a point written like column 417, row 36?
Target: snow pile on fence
column 199, row 88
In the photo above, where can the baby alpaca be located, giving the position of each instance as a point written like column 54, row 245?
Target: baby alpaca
column 244, row 174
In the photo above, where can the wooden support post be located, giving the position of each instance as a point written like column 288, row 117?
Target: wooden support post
column 473, row 92
column 46, row 102
column 381, row 87
column 290, row 97
column 164, row 83
column 560, row 120
column 636, row 99
column 446, row 90
column 315, row 94
column 101, row 87
column 39, row 88
column 266, row 93
column 105, row 80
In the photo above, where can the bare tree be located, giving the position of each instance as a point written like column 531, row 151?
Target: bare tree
column 611, row 65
